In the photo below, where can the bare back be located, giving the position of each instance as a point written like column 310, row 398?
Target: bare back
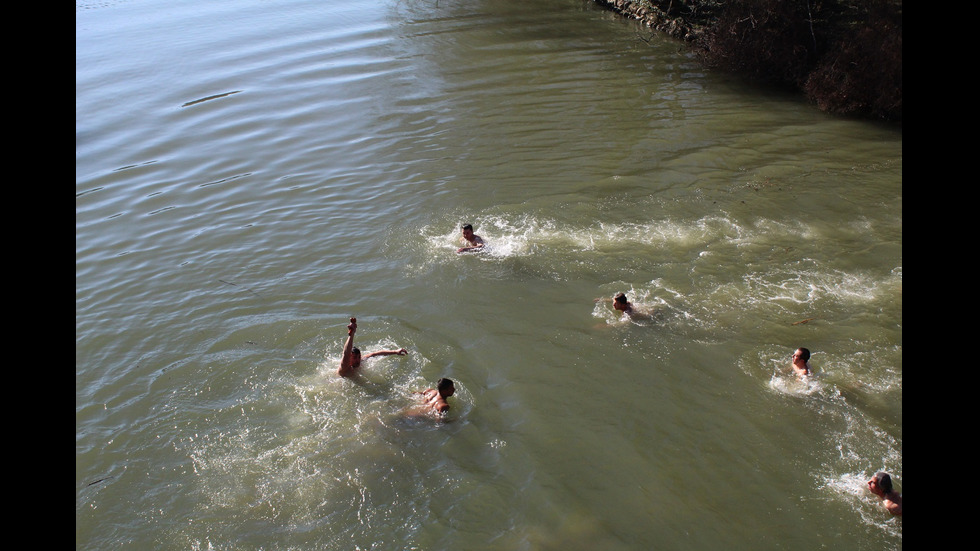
column 435, row 400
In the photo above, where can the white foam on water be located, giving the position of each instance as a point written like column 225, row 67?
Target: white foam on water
column 698, row 255
column 328, row 440
column 852, row 489
column 527, row 234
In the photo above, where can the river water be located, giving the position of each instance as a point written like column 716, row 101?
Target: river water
column 250, row 174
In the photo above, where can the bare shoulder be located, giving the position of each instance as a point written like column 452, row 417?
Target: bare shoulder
column 894, row 505
column 344, row 371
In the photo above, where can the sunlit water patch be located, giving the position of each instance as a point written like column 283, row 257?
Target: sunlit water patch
column 311, row 453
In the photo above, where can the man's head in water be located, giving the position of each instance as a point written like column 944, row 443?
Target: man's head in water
column 883, row 481
column 446, row 387
column 621, row 303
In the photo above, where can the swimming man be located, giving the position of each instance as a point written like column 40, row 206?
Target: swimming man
column 435, row 398
column 470, row 240
column 881, row 486
column 622, row 304
column 801, row 362
column 352, row 358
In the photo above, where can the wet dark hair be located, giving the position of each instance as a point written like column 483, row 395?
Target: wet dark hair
column 355, row 350
column 884, row 481
column 621, row 297
column 445, row 383
column 467, row 226
column 804, row 353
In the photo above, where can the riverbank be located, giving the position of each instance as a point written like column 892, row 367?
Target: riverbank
column 844, row 56
column 684, row 22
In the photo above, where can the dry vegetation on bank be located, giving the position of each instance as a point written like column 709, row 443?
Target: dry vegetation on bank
column 844, row 55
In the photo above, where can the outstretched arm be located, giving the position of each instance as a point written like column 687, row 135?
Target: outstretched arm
column 400, row 352
column 345, row 362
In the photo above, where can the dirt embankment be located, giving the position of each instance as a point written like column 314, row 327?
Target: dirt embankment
column 844, row 55
column 685, row 20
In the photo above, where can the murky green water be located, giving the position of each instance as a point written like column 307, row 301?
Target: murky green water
column 250, row 175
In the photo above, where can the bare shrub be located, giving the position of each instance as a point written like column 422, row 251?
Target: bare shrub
column 845, row 55
column 862, row 71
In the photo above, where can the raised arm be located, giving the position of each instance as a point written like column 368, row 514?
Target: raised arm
column 346, row 363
